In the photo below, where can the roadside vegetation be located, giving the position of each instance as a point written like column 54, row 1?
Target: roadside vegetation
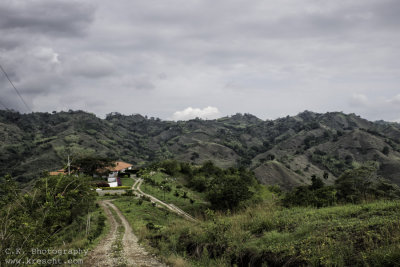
column 59, row 212
column 213, row 187
column 127, row 182
column 341, row 225
column 239, row 222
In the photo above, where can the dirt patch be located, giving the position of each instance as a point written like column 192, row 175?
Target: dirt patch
column 102, row 255
column 133, row 254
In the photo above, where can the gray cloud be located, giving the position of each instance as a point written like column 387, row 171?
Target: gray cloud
column 265, row 57
column 46, row 17
column 90, row 65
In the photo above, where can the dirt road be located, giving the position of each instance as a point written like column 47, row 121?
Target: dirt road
column 172, row 207
column 132, row 254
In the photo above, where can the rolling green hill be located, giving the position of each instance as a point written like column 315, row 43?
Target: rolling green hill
column 286, row 151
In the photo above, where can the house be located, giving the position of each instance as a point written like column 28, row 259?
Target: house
column 112, row 178
column 60, row 171
column 120, row 166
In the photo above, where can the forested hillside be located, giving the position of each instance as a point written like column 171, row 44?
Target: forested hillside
column 286, row 151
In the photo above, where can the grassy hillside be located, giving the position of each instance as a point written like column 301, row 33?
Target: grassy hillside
column 59, row 212
column 291, row 148
column 263, row 232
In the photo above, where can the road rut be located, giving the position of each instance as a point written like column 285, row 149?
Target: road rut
column 133, row 254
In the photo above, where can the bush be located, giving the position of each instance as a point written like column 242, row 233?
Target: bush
column 129, row 192
column 101, row 184
column 145, row 198
column 303, row 196
column 226, row 192
column 171, row 167
column 115, row 188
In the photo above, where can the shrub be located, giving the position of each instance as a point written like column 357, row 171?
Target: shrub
column 101, row 184
column 145, row 198
column 115, row 188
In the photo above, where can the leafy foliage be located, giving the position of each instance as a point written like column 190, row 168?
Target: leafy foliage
column 37, row 142
column 363, row 183
column 267, row 234
column 353, row 186
column 226, row 192
column 90, row 165
column 40, row 217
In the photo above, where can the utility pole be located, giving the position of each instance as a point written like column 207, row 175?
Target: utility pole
column 69, row 166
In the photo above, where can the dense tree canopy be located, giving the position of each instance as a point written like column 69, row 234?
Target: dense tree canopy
column 90, row 165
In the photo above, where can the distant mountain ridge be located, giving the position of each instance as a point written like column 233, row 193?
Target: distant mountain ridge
column 286, row 151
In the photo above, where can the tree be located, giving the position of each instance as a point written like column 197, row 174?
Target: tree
column 354, row 184
column 226, row 192
column 385, row 150
column 316, row 183
column 349, row 159
column 92, row 165
column 171, row 167
column 186, row 169
column 270, row 157
column 304, row 196
column 209, row 169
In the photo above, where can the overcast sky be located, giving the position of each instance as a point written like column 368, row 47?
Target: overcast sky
column 178, row 59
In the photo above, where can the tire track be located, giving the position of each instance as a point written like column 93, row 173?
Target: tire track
column 132, row 255
column 172, row 207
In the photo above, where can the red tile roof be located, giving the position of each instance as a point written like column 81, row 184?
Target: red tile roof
column 120, row 165
column 55, row 173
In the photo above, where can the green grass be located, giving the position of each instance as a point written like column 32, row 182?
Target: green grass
column 267, row 233
column 127, row 182
column 140, row 215
column 176, row 185
column 337, row 236
column 349, row 235
column 74, row 237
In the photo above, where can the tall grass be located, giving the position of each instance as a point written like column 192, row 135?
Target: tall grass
column 269, row 234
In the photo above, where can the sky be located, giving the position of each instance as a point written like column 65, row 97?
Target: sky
column 181, row 59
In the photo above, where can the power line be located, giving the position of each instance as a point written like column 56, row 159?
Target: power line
column 15, row 88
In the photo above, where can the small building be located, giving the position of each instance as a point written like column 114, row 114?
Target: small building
column 120, row 166
column 112, row 178
column 113, row 184
column 58, row 172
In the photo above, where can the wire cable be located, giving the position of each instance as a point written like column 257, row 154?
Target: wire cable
column 15, row 88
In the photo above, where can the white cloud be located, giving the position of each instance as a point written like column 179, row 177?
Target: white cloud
column 191, row 113
column 376, row 107
column 46, row 54
column 359, row 100
column 395, row 100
